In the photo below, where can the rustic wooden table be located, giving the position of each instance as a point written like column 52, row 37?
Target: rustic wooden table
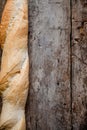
column 58, row 65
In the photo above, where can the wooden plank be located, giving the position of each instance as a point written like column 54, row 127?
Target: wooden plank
column 48, row 106
column 79, row 64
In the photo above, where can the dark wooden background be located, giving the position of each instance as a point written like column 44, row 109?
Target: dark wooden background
column 58, row 65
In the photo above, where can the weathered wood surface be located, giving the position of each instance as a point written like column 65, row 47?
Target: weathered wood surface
column 48, row 107
column 2, row 3
column 79, row 64
column 49, row 103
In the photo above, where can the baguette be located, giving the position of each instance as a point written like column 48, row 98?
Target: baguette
column 14, row 64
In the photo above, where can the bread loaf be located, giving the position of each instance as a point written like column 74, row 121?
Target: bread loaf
column 14, row 64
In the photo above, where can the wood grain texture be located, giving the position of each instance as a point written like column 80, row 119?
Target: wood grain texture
column 48, row 107
column 79, row 64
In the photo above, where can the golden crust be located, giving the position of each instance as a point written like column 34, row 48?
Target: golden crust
column 5, row 21
column 15, row 63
